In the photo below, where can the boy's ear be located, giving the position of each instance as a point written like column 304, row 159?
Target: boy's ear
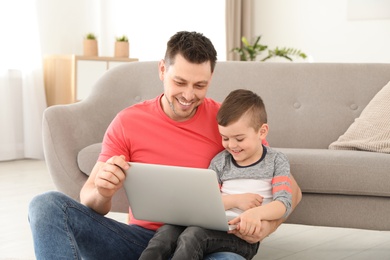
column 263, row 130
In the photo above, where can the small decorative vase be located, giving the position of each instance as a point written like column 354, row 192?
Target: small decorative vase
column 90, row 47
column 121, row 49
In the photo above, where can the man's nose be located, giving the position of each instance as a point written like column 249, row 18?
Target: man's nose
column 189, row 93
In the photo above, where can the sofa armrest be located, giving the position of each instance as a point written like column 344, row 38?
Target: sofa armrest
column 66, row 130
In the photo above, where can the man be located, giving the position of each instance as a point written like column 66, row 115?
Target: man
column 176, row 128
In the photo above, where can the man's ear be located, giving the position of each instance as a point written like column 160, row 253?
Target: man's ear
column 161, row 69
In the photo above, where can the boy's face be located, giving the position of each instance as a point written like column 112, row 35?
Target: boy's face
column 242, row 141
column 185, row 87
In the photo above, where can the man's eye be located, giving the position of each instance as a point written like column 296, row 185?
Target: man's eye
column 240, row 140
column 200, row 86
column 225, row 139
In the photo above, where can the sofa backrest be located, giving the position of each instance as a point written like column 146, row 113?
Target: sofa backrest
column 309, row 105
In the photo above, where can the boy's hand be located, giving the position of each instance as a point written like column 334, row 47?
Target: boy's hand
column 248, row 223
column 244, row 201
column 267, row 227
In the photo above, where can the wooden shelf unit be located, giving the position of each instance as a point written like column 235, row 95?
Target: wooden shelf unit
column 69, row 78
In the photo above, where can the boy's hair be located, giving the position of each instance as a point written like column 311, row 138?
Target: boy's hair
column 239, row 102
column 193, row 46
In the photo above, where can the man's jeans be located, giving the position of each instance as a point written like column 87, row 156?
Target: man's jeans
column 62, row 228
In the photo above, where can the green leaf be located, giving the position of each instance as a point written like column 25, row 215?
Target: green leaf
column 90, row 36
column 251, row 51
column 122, row 39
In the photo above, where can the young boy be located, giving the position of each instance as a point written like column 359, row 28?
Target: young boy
column 245, row 166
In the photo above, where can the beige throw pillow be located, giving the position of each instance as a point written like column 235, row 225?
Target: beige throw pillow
column 371, row 130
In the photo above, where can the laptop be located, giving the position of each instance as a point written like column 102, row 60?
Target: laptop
column 176, row 195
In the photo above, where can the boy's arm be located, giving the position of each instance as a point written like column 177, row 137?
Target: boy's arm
column 268, row 227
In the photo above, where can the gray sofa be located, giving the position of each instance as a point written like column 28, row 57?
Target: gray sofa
column 309, row 106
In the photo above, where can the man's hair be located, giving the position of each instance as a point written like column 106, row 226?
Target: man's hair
column 239, row 102
column 193, row 46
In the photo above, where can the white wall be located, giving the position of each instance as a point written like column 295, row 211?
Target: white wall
column 320, row 28
column 147, row 23
column 63, row 24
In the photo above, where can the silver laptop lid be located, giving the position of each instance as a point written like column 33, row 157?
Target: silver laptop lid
column 176, row 195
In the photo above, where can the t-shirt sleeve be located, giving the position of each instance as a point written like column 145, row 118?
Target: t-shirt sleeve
column 281, row 182
column 114, row 143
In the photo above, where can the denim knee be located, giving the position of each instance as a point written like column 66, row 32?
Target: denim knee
column 45, row 206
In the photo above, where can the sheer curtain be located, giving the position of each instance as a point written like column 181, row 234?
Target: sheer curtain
column 22, row 96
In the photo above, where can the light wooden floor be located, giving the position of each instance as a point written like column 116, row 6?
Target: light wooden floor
column 21, row 180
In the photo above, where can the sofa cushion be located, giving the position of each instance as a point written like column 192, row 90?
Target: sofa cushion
column 340, row 171
column 87, row 157
column 319, row 171
column 371, row 130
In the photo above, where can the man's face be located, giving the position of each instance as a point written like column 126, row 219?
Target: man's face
column 185, row 87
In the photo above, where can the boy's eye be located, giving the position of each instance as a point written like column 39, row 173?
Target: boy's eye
column 238, row 140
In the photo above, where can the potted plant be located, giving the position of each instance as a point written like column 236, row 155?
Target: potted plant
column 90, row 45
column 251, row 51
column 122, row 47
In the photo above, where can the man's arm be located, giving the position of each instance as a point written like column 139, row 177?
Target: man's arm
column 268, row 227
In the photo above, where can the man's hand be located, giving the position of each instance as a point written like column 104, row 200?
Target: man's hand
column 110, row 176
column 105, row 179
